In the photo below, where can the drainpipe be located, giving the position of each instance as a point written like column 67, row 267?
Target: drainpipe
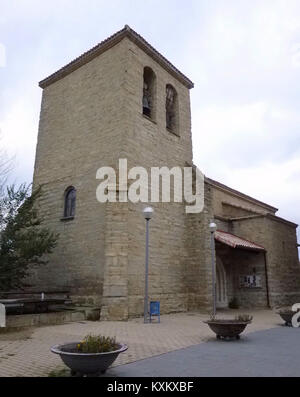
column 267, row 280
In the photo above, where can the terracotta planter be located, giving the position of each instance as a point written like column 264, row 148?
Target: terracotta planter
column 86, row 363
column 227, row 329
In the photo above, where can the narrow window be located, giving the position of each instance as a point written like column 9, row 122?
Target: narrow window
column 70, row 202
column 171, row 108
column 149, row 93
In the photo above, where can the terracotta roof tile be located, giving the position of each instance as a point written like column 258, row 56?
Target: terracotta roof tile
column 236, row 242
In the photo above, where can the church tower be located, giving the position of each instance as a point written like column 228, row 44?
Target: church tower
column 120, row 100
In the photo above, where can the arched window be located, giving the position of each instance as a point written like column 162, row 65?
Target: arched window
column 70, row 202
column 149, row 93
column 171, row 108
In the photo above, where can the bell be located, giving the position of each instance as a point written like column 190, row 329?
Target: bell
column 146, row 106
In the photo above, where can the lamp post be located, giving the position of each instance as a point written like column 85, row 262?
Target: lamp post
column 147, row 212
column 212, row 229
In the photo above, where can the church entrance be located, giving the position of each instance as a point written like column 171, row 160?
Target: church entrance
column 240, row 272
column 221, row 293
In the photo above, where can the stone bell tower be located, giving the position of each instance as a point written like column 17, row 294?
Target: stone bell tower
column 120, row 100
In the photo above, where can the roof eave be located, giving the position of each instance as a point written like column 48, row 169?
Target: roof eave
column 109, row 43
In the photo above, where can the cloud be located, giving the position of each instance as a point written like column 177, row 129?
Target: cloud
column 245, row 107
column 19, row 133
column 2, row 56
column 243, row 136
column 244, row 58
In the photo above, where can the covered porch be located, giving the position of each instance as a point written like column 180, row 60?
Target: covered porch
column 240, row 272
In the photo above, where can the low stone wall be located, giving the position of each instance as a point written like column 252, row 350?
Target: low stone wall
column 54, row 318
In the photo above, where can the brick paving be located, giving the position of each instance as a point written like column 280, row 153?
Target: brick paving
column 27, row 352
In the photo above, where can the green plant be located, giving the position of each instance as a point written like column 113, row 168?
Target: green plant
column 23, row 240
column 244, row 317
column 97, row 344
column 234, row 303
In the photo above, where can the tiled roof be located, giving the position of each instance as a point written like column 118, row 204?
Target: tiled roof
column 236, row 242
column 110, row 42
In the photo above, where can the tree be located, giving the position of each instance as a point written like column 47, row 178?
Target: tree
column 6, row 165
column 23, row 240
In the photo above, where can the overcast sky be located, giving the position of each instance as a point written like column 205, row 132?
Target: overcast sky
column 243, row 56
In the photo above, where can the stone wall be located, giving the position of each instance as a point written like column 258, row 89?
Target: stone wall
column 222, row 224
column 115, row 290
column 283, row 270
column 149, row 144
column 92, row 118
column 179, row 251
column 276, row 235
column 81, row 129
column 198, row 264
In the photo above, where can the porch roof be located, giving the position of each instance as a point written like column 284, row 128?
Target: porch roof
column 236, row 242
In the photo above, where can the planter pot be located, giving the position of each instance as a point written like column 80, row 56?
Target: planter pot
column 227, row 329
column 86, row 363
column 287, row 316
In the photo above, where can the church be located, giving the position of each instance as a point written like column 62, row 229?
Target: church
column 122, row 99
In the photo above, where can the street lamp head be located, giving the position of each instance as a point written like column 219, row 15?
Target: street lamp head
column 148, row 212
column 212, row 227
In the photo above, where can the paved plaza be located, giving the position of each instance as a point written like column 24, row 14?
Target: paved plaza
column 27, row 352
column 269, row 353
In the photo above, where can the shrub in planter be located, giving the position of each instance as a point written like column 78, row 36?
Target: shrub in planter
column 90, row 356
column 97, row 344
